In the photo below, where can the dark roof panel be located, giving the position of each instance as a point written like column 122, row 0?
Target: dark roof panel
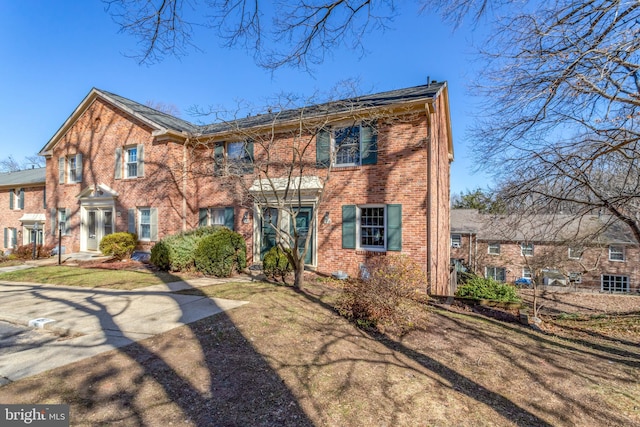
column 23, row 177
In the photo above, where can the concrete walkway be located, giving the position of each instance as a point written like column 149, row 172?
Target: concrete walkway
column 91, row 321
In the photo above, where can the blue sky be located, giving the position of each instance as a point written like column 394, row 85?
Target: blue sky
column 53, row 53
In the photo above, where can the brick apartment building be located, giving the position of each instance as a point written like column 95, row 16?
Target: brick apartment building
column 373, row 177
column 558, row 250
column 22, row 209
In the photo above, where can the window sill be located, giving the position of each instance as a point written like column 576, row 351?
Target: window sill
column 346, row 168
column 371, row 252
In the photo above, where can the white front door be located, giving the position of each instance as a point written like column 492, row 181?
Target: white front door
column 99, row 223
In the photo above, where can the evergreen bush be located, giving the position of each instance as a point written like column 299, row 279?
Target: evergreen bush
column 118, row 245
column 221, row 253
column 487, row 288
column 176, row 252
column 276, row 264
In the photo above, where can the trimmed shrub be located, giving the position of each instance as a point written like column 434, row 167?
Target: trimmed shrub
column 386, row 293
column 118, row 245
column 487, row 288
column 176, row 252
column 276, row 264
column 221, row 253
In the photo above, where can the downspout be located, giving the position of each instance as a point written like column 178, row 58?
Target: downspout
column 430, row 275
column 184, row 185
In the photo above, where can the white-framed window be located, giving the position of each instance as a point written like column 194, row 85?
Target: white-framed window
column 72, row 167
column 496, row 273
column 575, row 252
column 372, row 228
column 493, row 248
column 526, row 249
column 131, row 162
column 346, row 146
column 526, row 273
column 616, row 253
column 456, row 240
column 233, row 158
column 144, row 224
column 614, row 283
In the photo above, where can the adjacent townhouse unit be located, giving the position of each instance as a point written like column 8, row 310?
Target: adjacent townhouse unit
column 23, row 207
column 370, row 177
column 583, row 253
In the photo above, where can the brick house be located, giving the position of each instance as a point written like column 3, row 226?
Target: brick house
column 588, row 253
column 373, row 177
column 22, row 207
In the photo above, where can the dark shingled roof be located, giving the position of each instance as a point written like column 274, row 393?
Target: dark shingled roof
column 382, row 99
column 166, row 120
column 24, row 177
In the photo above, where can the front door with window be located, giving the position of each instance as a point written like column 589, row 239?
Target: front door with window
column 99, row 223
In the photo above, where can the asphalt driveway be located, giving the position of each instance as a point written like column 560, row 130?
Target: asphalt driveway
column 82, row 322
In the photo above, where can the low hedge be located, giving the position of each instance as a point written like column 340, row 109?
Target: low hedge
column 176, row 252
column 486, row 288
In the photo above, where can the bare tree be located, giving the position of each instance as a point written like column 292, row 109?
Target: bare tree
column 296, row 33
column 10, row 164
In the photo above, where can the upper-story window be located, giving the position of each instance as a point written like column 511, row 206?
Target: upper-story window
column 129, row 162
column 493, row 248
column 575, row 252
column 353, row 145
column 16, row 199
column 70, row 169
column 233, row 158
column 526, row 249
column 456, row 240
column 131, row 155
column 616, row 253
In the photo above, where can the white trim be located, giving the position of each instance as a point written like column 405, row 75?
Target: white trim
column 495, row 244
column 621, row 252
column 359, row 228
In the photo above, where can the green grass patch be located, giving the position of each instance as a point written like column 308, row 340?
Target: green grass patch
column 90, row 277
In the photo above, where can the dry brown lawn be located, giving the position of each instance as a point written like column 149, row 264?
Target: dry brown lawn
column 287, row 359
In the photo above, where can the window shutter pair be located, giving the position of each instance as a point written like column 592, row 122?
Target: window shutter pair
column 394, row 227
column 368, row 145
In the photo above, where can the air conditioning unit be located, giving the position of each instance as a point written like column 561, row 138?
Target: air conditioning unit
column 455, row 245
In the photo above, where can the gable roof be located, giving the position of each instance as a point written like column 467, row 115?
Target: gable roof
column 540, row 228
column 166, row 124
column 24, row 177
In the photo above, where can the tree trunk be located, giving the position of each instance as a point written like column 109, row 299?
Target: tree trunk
column 298, row 276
